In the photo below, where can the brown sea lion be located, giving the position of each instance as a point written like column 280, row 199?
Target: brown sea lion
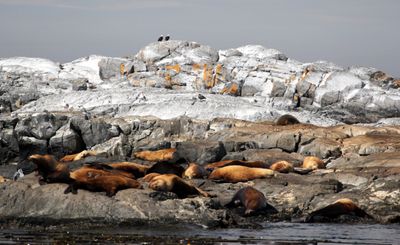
column 149, row 177
column 195, row 171
column 138, row 170
column 252, row 200
column 2, row 179
column 78, row 156
column 224, row 163
column 282, row 167
column 235, row 173
column 50, row 170
column 157, row 156
column 175, row 184
column 313, row 163
column 166, row 168
column 286, row 120
column 99, row 180
column 339, row 207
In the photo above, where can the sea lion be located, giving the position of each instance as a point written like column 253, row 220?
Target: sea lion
column 195, row 171
column 138, row 170
column 166, row 168
column 286, row 120
column 99, row 180
column 252, row 200
column 149, row 177
column 106, row 167
column 78, row 156
column 334, row 210
column 175, row 184
column 2, row 179
column 157, row 156
column 313, row 163
column 235, row 173
column 282, row 167
column 224, row 163
column 50, row 170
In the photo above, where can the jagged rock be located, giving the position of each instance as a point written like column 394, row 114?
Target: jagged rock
column 95, row 131
column 8, row 145
column 66, row 141
column 117, row 146
column 322, row 148
column 80, row 84
column 40, row 125
column 201, row 152
column 30, row 145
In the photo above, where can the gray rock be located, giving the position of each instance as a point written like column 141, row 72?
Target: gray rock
column 66, row 141
column 93, row 132
column 39, row 125
column 80, row 84
column 201, row 152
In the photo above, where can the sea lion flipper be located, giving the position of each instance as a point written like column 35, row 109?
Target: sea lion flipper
column 68, row 189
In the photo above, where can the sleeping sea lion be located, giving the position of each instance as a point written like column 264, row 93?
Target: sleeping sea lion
column 224, row 163
column 195, row 171
column 99, row 180
column 138, row 170
column 175, row 184
column 252, row 200
column 282, row 167
column 157, row 156
column 334, row 210
column 313, row 163
column 235, row 173
column 286, row 120
column 78, row 156
column 166, row 168
column 149, row 177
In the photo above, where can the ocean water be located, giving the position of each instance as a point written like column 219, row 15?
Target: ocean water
column 269, row 233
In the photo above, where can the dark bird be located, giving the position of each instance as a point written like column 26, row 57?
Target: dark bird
column 160, row 38
column 201, row 97
column 166, row 38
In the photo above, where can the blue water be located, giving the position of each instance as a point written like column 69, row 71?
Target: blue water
column 270, row 233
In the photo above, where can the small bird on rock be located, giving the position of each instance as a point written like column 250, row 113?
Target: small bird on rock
column 166, row 38
column 161, row 38
column 201, row 97
column 18, row 174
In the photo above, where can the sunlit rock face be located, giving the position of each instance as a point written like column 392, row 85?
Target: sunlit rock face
column 164, row 79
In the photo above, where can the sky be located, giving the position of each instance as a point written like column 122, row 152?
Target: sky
column 345, row 32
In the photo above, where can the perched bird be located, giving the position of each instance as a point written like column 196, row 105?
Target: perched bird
column 18, row 174
column 161, row 38
column 166, row 38
column 201, row 97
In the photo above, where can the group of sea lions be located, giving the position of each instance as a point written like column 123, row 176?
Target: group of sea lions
column 166, row 174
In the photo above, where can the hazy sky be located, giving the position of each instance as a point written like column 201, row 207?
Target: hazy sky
column 346, row 32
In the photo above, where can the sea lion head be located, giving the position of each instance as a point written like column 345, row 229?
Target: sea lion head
column 43, row 161
column 159, row 183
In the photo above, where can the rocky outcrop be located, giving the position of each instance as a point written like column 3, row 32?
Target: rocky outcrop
column 210, row 105
column 164, row 79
